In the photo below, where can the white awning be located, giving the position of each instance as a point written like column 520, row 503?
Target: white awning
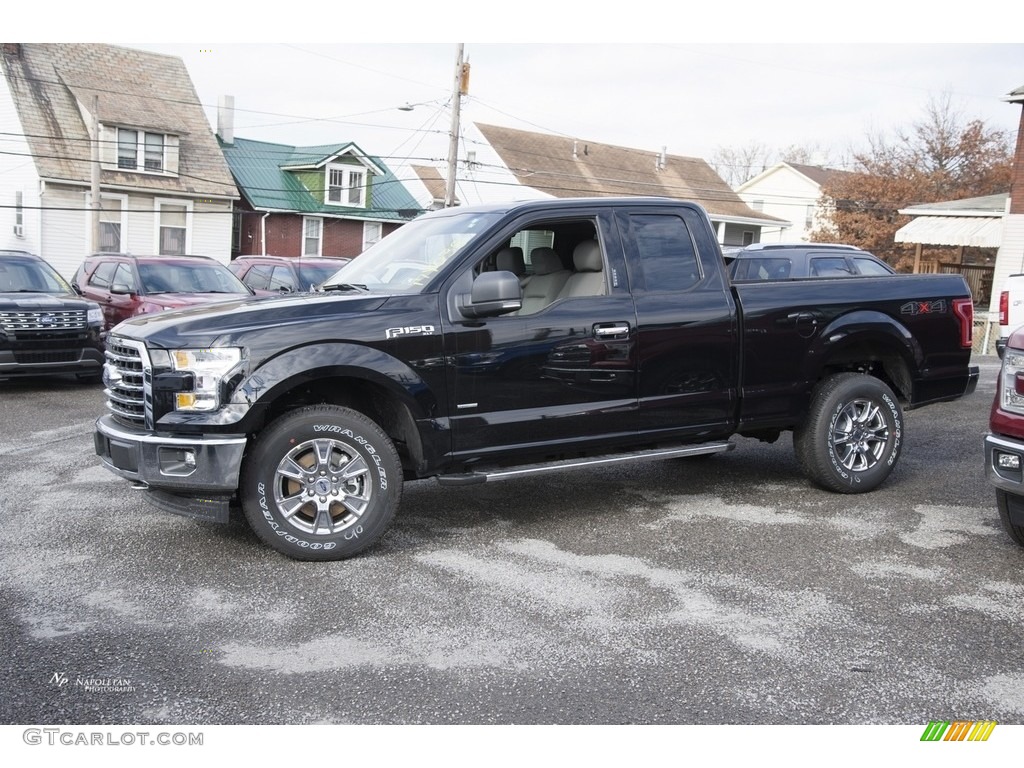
column 976, row 231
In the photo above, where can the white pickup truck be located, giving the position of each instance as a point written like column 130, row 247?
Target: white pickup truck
column 1011, row 310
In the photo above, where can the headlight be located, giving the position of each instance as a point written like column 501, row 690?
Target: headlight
column 94, row 316
column 208, row 367
column 1011, row 381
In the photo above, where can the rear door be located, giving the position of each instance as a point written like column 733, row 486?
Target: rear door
column 687, row 323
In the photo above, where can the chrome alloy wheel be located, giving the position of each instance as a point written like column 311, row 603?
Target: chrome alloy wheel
column 322, row 486
column 860, row 434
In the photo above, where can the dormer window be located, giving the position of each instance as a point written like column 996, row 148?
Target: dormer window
column 140, row 150
column 346, row 186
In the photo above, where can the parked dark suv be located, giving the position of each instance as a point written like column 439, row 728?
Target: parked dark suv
column 45, row 327
column 782, row 261
column 284, row 274
column 125, row 286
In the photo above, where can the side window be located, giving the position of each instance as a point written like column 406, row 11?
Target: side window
column 102, row 276
column 871, row 267
column 666, row 252
column 769, row 269
column 123, row 276
column 281, row 279
column 257, row 277
column 830, row 266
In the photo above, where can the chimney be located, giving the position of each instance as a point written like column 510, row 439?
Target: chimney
column 226, row 119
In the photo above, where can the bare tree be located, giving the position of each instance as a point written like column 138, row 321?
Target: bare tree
column 941, row 157
column 737, row 165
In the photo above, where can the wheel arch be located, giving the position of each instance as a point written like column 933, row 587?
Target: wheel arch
column 365, row 379
column 868, row 342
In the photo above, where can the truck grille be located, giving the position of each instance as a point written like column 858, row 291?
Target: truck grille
column 125, row 378
column 52, row 356
column 43, row 320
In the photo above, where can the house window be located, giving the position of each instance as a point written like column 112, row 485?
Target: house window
column 138, row 149
column 757, row 205
column 312, row 229
column 173, row 229
column 19, row 214
column 748, row 237
column 372, row 232
column 809, row 217
column 110, row 224
column 346, row 186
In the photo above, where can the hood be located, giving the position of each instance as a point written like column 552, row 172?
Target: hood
column 24, row 301
column 205, row 324
column 177, row 300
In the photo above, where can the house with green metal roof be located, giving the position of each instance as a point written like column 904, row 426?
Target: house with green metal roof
column 328, row 200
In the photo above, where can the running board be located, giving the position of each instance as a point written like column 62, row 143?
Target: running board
column 473, row 478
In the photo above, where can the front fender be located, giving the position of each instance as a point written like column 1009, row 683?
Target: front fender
column 336, row 359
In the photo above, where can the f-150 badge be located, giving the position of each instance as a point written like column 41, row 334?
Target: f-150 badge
column 409, row 330
column 923, row 307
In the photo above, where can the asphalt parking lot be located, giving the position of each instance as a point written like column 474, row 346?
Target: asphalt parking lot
column 684, row 592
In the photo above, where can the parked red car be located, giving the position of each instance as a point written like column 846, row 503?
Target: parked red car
column 1004, row 445
column 125, row 285
column 284, row 274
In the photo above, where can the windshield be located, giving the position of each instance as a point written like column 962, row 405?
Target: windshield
column 20, row 275
column 165, row 277
column 314, row 274
column 407, row 259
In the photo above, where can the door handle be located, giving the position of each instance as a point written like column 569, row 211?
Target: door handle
column 608, row 330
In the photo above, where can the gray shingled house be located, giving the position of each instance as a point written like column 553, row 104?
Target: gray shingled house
column 560, row 166
column 164, row 186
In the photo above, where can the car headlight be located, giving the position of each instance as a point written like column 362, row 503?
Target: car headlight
column 208, row 367
column 1011, row 381
column 94, row 315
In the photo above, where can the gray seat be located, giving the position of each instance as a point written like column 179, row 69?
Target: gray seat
column 546, row 282
column 511, row 260
column 588, row 279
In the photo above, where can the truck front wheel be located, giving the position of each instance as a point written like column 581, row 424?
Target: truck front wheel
column 321, row 483
column 853, row 434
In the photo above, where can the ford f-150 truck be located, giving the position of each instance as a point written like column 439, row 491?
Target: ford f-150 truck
column 489, row 342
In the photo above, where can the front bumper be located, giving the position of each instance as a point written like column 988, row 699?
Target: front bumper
column 191, row 475
column 1004, row 467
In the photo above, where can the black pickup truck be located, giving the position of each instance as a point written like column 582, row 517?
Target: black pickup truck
column 489, row 342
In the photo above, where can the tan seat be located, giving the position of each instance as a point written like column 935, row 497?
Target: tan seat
column 546, row 282
column 588, row 279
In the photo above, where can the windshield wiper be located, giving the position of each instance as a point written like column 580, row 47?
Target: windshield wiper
column 357, row 287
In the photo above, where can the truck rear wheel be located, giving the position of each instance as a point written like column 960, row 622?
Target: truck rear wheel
column 1003, row 501
column 321, row 483
column 853, row 434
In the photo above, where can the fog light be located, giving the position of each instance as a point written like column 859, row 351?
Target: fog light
column 177, row 461
column 1008, row 461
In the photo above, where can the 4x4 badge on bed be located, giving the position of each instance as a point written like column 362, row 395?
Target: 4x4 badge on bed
column 923, row 307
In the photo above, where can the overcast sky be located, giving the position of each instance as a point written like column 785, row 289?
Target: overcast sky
column 703, row 78
column 690, row 98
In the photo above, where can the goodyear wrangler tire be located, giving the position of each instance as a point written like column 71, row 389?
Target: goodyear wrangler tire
column 853, row 435
column 321, row 483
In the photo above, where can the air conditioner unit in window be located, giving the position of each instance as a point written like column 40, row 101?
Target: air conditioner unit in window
column 19, row 230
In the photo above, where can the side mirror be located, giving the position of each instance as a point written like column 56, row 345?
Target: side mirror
column 122, row 288
column 494, row 293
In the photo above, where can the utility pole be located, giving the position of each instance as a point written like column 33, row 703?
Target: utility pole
column 94, row 186
column 460, row 89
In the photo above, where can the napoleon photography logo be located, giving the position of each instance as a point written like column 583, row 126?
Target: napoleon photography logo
column 60, row 679
column 94, row 684
column 958, row 730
